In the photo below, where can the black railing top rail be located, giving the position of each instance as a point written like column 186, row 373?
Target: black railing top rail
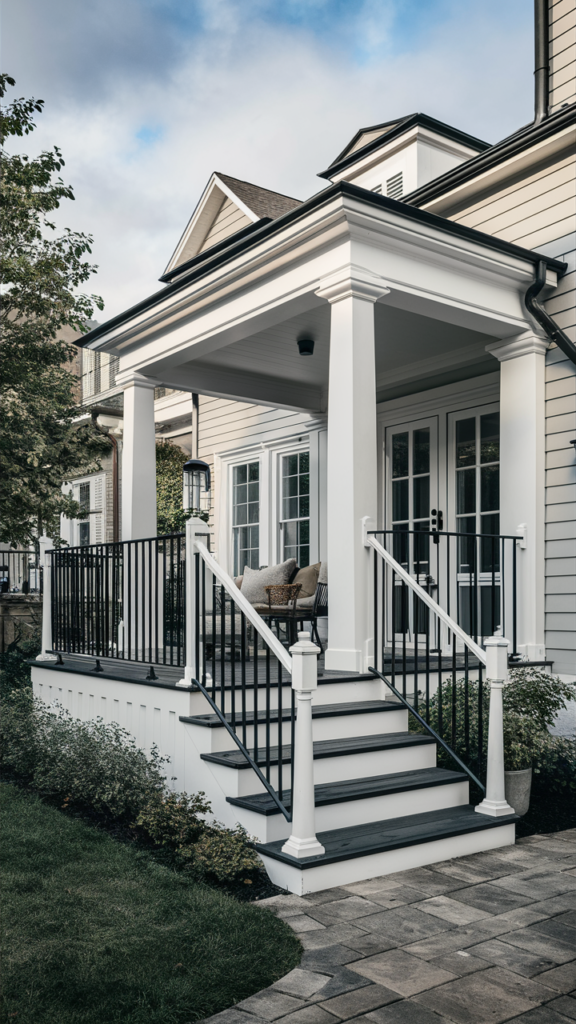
column 428, row 728
column 65, row 549
column 17, row 551
column 444, row 533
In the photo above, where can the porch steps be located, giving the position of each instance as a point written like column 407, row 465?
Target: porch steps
column 364, row 707
column 356, row 789
column 326, row 748
column 382, row 847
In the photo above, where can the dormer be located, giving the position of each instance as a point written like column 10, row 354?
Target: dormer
column 227, row 205
column 399, row 156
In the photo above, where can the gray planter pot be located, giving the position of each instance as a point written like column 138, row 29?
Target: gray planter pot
column 517, row 788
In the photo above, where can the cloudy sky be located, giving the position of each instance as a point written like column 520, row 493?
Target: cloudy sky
column 147, row 97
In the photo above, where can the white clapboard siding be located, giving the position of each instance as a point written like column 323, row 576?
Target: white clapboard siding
column 225, row 425
column 562, row 85
column 228, row 220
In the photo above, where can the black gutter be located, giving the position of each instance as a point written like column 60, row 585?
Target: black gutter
column 203, row 264
column 541, row 60
column 403, row 126
column 534, row 307
column 522, row 140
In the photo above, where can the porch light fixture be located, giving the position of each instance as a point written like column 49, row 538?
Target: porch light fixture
column 196, row 475
column 306, row 346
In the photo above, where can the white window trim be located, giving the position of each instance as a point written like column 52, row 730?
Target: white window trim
column 74, row 527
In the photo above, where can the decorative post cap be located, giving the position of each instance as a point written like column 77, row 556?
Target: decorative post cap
column 304, row 664
column 497, row 658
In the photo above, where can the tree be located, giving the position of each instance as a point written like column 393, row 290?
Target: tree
column 169, row 509
column 40, row 446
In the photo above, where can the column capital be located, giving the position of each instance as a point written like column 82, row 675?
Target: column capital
column 131, row 378
column 522, row 345
column 352, row 281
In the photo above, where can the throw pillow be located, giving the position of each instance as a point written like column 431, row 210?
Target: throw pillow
column 308, row 579
column 255, row 580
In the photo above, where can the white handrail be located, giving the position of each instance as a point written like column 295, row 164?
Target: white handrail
column 426, row 599
column 244, row 605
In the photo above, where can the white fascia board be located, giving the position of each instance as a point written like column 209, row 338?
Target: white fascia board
column 278, row 276
column 238, row 202
column 192, row 223
column 465, row 193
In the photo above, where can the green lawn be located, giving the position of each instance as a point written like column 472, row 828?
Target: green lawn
column 95, row 932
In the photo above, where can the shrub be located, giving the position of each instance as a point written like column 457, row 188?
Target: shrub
column 537, row 695
column 14, row 667
column 206, row 850
column 89, row 764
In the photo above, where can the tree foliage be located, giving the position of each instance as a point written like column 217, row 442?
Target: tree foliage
column 40, row 270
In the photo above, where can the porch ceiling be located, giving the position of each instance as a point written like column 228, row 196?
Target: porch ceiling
column 410, row 348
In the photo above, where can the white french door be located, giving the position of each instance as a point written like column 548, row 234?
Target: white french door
column 411, row 512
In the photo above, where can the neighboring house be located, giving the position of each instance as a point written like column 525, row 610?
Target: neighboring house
column 433, row 278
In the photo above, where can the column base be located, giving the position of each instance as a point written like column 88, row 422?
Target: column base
column 46, row 657
column 341, row 660
column 188, row 677
column 495, row 808
column 303, row 847
column 531, row 652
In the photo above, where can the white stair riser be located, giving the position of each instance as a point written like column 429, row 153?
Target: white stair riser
column 338, row 769
column 302, row 881
column 327, row 693
column 213, row 740
column 359, row 812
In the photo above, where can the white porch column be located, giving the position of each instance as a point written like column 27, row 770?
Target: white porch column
column 522, row 476
column 138, row 458
column 352, row 462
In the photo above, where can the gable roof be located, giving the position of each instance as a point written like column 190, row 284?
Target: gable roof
column 368, row 139
column 227, row 205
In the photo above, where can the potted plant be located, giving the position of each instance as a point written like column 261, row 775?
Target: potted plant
column 519, row 736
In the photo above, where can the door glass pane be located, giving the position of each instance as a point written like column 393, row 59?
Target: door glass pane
column 246, row 516
column 295, row 507
column 399, row 500
column 489, row 488
column 421, row 494
column 400, row 455
column 490, row 437
column 466, row 442
column 465, row 491
column 421, row 457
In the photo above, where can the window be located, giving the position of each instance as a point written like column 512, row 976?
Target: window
column 84, row 524
column 295, row 507
column 395, row 186
column 478, row 476
column 246, row 516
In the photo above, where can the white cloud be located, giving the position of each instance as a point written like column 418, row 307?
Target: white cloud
column 224, row 85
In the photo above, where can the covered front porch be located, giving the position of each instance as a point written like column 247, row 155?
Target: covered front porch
column 396, row 302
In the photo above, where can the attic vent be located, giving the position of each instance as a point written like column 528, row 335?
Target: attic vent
column 378, row 189
column 394, row 186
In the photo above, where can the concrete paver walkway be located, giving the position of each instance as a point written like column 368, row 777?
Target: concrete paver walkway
column 479, row 940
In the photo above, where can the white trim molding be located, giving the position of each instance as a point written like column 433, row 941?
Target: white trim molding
column 523, row 345
column 352, row 281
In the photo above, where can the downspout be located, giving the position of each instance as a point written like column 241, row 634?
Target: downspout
column 115, row 503
column 195, row 425
column 541, row 60
column 537, row 310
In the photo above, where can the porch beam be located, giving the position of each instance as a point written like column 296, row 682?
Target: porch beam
column 240, row 386
column 352, row 461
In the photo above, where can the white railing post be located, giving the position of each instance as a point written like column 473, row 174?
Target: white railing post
column 195, row 528
column 46, row 562
column 303, row 841
column 494, row 803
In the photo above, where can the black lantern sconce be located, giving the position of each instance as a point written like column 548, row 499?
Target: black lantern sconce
column 306, row 346
column 196, row 475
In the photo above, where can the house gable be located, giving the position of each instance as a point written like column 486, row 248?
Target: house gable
column 226, row 206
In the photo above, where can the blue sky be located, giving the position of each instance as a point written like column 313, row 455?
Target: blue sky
column 147, row 97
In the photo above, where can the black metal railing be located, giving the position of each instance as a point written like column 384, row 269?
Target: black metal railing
column 240, row 669
column 432, row 667
column 20, row 572
column 123, row 600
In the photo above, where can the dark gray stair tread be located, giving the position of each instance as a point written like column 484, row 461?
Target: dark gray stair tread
column 355, row 789
column 320, row 711
column 121, row 670
column 393, row 834
column 324, row 748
